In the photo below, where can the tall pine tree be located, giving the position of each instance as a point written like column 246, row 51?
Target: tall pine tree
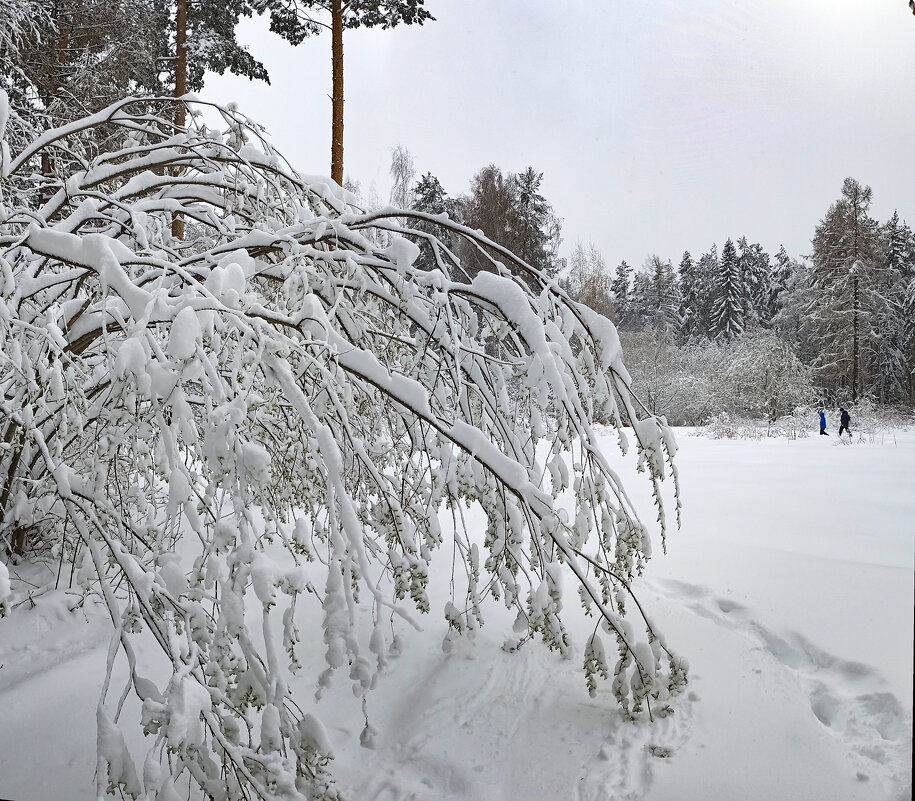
column 846, row 258
column 297, row 19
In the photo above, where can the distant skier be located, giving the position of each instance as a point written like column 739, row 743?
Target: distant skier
column 844, row 421
column 823, row 431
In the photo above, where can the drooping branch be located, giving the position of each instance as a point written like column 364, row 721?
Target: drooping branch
column 278, row 377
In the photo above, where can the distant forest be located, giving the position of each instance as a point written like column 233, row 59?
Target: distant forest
column 734, row 329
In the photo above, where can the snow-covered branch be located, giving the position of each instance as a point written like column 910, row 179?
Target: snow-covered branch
column 269, row 415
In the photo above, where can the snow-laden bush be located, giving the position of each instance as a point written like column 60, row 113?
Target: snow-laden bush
column 800, row 423
column 190, row 422
column 754, row 377
column 760, row 376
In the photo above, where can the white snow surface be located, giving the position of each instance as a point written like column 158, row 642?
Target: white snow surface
column 789, row 590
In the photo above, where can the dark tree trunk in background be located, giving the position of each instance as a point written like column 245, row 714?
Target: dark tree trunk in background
column 180, row 88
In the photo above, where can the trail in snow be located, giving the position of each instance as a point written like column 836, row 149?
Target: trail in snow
column 478, row 724
column 796, row 619
column 849, row 698
column 499, row 725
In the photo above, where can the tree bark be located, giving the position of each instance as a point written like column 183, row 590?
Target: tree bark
column 854, row 355
column 336, row 134
column 180, row 89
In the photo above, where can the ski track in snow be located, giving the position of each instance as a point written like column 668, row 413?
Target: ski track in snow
column 509, row 726
column 515, row 725
column 48, row 636
column 848, row 698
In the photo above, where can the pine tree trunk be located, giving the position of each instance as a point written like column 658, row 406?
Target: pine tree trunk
column 180, row 88
column 336, row 134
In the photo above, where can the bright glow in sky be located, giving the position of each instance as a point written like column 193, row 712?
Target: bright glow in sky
column 659, row 126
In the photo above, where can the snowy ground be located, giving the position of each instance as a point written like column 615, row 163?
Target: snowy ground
column 789, row 588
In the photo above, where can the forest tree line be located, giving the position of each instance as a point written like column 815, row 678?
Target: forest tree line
column 734, row 329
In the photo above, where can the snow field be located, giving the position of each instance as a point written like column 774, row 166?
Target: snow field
column 788, row 589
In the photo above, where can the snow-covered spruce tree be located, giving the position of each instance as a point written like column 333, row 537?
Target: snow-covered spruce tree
column 727, row 314
column 429, row 196
column 756, row 275
column 620, row 293
column 655, row 295
column 192, row 422
column 689, row 298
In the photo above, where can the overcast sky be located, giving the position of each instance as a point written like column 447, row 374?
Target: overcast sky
column 659, row 126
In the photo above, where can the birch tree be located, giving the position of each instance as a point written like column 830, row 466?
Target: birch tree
column 294, row 406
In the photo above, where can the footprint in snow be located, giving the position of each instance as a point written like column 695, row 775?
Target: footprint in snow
column 846, row 697
column 623, row 769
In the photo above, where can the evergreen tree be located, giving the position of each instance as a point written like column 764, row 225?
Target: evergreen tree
column 891, row 361
column 908, row 339
column 782, row 271
column 791, row 281
column 430, row 197
column 61, row 61
column 887, row 346
column 899, row 247
column 537, row 235
column 704, row 282
column 690, row 301
column 756, row 276
column 638, row 301
column 619, row 289
column 727, row 318
column 211, row 42
column 75, row 58
column 846, row 257
column 655, row 295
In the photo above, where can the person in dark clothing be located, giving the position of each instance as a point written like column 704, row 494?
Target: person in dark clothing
column 823, row 431
column 844, row 422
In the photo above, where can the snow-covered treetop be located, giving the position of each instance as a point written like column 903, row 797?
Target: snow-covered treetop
column 276, row 389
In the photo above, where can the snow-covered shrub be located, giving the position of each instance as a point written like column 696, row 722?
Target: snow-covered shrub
column 671, row 380
column 756, row 376
column 800, row 423
column 191, row 422
column 760, row 376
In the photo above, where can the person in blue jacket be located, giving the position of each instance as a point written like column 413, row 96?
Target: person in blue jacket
column 823, row 430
